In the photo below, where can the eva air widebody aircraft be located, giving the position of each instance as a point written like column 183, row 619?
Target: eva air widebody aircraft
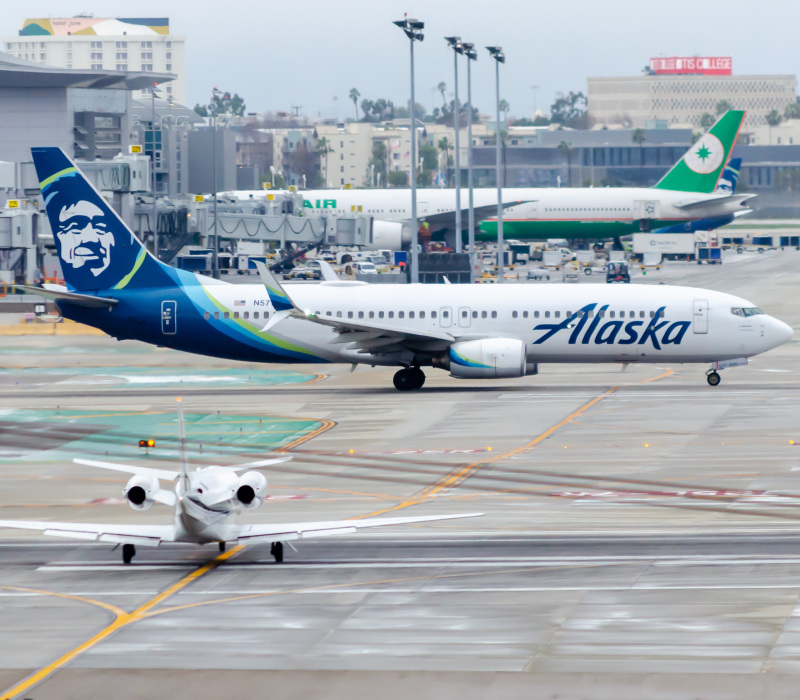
column 685, row 194
column 473, row 331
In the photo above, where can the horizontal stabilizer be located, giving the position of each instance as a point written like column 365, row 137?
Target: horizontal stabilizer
column 85, row 300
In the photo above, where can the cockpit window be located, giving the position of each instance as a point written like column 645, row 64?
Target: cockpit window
column 746, row 311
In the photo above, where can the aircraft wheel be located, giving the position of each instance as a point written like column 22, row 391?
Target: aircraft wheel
column 277, row 551
column 419, row 376
column 405, row 380
column 713, row 378
column 128, row 553
column 221, row 546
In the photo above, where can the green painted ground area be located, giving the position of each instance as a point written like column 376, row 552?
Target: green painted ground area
column 121, row 377
column 44, row 436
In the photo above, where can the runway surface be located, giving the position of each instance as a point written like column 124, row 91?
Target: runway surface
column 641, row 530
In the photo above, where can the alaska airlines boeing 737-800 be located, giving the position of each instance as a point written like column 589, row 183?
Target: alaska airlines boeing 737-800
column 474, row 331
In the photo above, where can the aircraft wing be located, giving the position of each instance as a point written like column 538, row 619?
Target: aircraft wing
column 144, row 535
column 130, row 469
column 295, row 531
column 481, row 213
column 368, row 336
column 714, row 199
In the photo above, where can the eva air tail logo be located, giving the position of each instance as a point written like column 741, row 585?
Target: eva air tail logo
column 706, row 155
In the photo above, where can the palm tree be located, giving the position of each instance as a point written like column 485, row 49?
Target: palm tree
column 640, row 136
column 565, row 149
column 504, row 107
column 323, row 149
column 354, row 95
column 723, row 106
column 773, row 119
column 441, row 88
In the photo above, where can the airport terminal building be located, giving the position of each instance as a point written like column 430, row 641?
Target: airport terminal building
column 681, row 91
column 137, row 45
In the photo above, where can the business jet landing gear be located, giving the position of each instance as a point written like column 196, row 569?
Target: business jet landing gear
column 221, row 546
column 277, row 551
column 128, row 553
column 712, row 377
column 409, row 378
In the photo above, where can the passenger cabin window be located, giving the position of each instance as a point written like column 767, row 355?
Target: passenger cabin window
column 433, row 314
column 484, row 314
column 411, row 314
column 380, row 314
column 216, row 315
column 372, row 314
column 246, row 314
column 207, row 315
column 236, row 314
column 338, row 314
column 558, row 314
column 256, row 314
column 227, row 314
column 422, row 314
column 524, row 314
column 445, row 314
column 514, row 314
column 494, row 314
column 391, row 314
column 401, row 314
column 361, row 314
column 349, row 314
column 536, row 314
column 547, row 314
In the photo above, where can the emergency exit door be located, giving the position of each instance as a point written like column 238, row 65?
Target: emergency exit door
column 169, row 312
column 700, row 316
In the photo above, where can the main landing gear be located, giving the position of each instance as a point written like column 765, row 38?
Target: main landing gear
column 128, row 553
column 277, row 551
column 409, row 378
column 712, row 377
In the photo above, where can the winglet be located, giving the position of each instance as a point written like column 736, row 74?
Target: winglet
column 328, row 274
column 279, row 298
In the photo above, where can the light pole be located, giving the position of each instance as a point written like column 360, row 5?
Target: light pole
column 153, row 164
column 472, row 55
column 455, row 44
column 413, row 30
column 216, row 100
column 498, row 55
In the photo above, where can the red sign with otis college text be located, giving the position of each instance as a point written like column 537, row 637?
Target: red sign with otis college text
column 698, row 65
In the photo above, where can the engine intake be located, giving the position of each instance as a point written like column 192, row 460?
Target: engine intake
column 487, row 358
column 392, row 235
column 251, row 489
column 139, row 491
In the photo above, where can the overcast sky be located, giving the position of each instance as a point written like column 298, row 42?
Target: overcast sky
column 306, row 52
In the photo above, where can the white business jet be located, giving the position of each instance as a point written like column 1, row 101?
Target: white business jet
column 207, row 502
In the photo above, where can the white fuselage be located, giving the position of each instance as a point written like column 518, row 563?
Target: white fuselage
column 695, row 325
column 534, row 203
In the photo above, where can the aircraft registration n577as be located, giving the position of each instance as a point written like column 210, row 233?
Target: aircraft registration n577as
column 474, row 331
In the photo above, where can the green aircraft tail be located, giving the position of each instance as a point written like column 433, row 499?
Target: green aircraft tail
column 701, row 166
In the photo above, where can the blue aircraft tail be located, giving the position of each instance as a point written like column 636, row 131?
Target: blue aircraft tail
column 97, row 250
column 730, row 176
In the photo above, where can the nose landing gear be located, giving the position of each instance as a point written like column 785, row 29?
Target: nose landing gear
column 277, row 551
column 713, row 378
column 409, row 378
column 128, row 553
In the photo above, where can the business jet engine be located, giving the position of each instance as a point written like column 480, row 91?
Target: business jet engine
column 251, row 489
column 140, row 491
column 487, row 358
column 389, row 235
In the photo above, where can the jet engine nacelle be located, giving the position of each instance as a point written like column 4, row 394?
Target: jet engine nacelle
column 391, row 235
column 251, row 489
column 487, row 358
column 140, row 491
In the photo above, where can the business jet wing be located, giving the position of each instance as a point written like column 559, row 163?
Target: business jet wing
column 326, row 528
column 130, row 469
column 367, row 335
column 144, row 535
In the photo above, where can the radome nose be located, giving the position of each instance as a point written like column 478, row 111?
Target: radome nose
column 781, row 332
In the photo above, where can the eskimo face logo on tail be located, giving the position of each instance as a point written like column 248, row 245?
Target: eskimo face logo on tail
column 585, row 327
column 706, row 155
column 84, row 237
